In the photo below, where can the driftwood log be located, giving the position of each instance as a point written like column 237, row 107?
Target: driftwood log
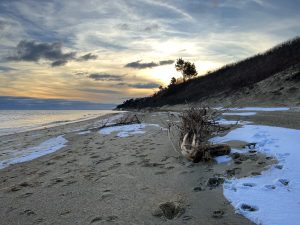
column 197, row 153
column 195, row 128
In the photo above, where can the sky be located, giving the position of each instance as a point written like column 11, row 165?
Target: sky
column 108, row 51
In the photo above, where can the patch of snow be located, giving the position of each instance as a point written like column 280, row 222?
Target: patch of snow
column 234, row 150
column 223, row 159
column 264, row 109
column 274, row 199
column 240, row 114
column 46, row 147
column 126, row 130
column 232, row 122
column 84, row 132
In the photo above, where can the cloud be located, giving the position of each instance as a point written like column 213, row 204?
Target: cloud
column 105, row 77
column 139, row 65
column 59, row 63
column 32, row 51
column 98, row 91
column 166, row 62
column 141, row 85
column 152, row 28
column 87, row 57
column 6, row 69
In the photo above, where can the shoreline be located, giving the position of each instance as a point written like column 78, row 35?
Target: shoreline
column 105, row 179
column 55, row 123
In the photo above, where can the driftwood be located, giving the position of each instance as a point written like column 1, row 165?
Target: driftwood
column 125, row 120
column 202, row 152
column 196, row 127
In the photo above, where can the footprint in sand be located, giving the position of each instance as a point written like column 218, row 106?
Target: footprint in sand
column 131, row 163
column 160, row 172
column 100, row 219
column 197, row 189
column 114, row 166
column 55, row 181
column 25, row 195
column 27, row 212
column 218, row 214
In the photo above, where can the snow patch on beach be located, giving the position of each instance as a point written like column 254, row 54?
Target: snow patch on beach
column 223, row 159
column 264, row 109
column 84, row 132
column 240, row 114
column 273, row 197
column 232, row 122
column 23, row 155
column 126, row 130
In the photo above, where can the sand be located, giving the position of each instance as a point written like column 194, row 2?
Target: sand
column 105, row 179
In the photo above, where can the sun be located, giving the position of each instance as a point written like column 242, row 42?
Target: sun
column 163, row 74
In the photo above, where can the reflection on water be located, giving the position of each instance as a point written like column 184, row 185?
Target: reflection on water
column 12, row 121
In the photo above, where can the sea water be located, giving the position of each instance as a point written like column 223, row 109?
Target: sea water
column 14, row 121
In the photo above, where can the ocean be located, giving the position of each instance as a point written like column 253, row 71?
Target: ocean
column 14, row 121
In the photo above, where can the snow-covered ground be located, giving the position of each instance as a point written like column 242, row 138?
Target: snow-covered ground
column 126, row 130
column 223, row 159
column 272, row 198
column 240, row 114
column 84, row 132
column 232, row 122
column 264, row 109
column 23, row 155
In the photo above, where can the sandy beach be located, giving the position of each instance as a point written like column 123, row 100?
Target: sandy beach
column 101, row 178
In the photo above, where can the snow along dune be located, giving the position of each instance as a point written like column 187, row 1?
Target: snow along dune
column 272, row 198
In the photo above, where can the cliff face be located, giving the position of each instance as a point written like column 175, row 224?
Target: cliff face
column 271, row 78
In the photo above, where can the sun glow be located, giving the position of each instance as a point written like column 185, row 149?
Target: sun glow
column 164, row 73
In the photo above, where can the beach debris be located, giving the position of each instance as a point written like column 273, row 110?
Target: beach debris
column 196, row 126
column 127, row 119
column 214, row 182
column 169, row 210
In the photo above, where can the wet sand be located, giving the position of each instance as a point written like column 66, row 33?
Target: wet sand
column 97, row 179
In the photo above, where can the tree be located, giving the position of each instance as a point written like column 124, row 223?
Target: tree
column 173, row 81
column 187, row 69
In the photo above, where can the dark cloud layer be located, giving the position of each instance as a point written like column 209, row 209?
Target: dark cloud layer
column 87, row 57
column 33, row 51
column 105, row 77
column 99, row 91
column 141, row 85
column 6, row 69
column 10, row 102
column 139, row 65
